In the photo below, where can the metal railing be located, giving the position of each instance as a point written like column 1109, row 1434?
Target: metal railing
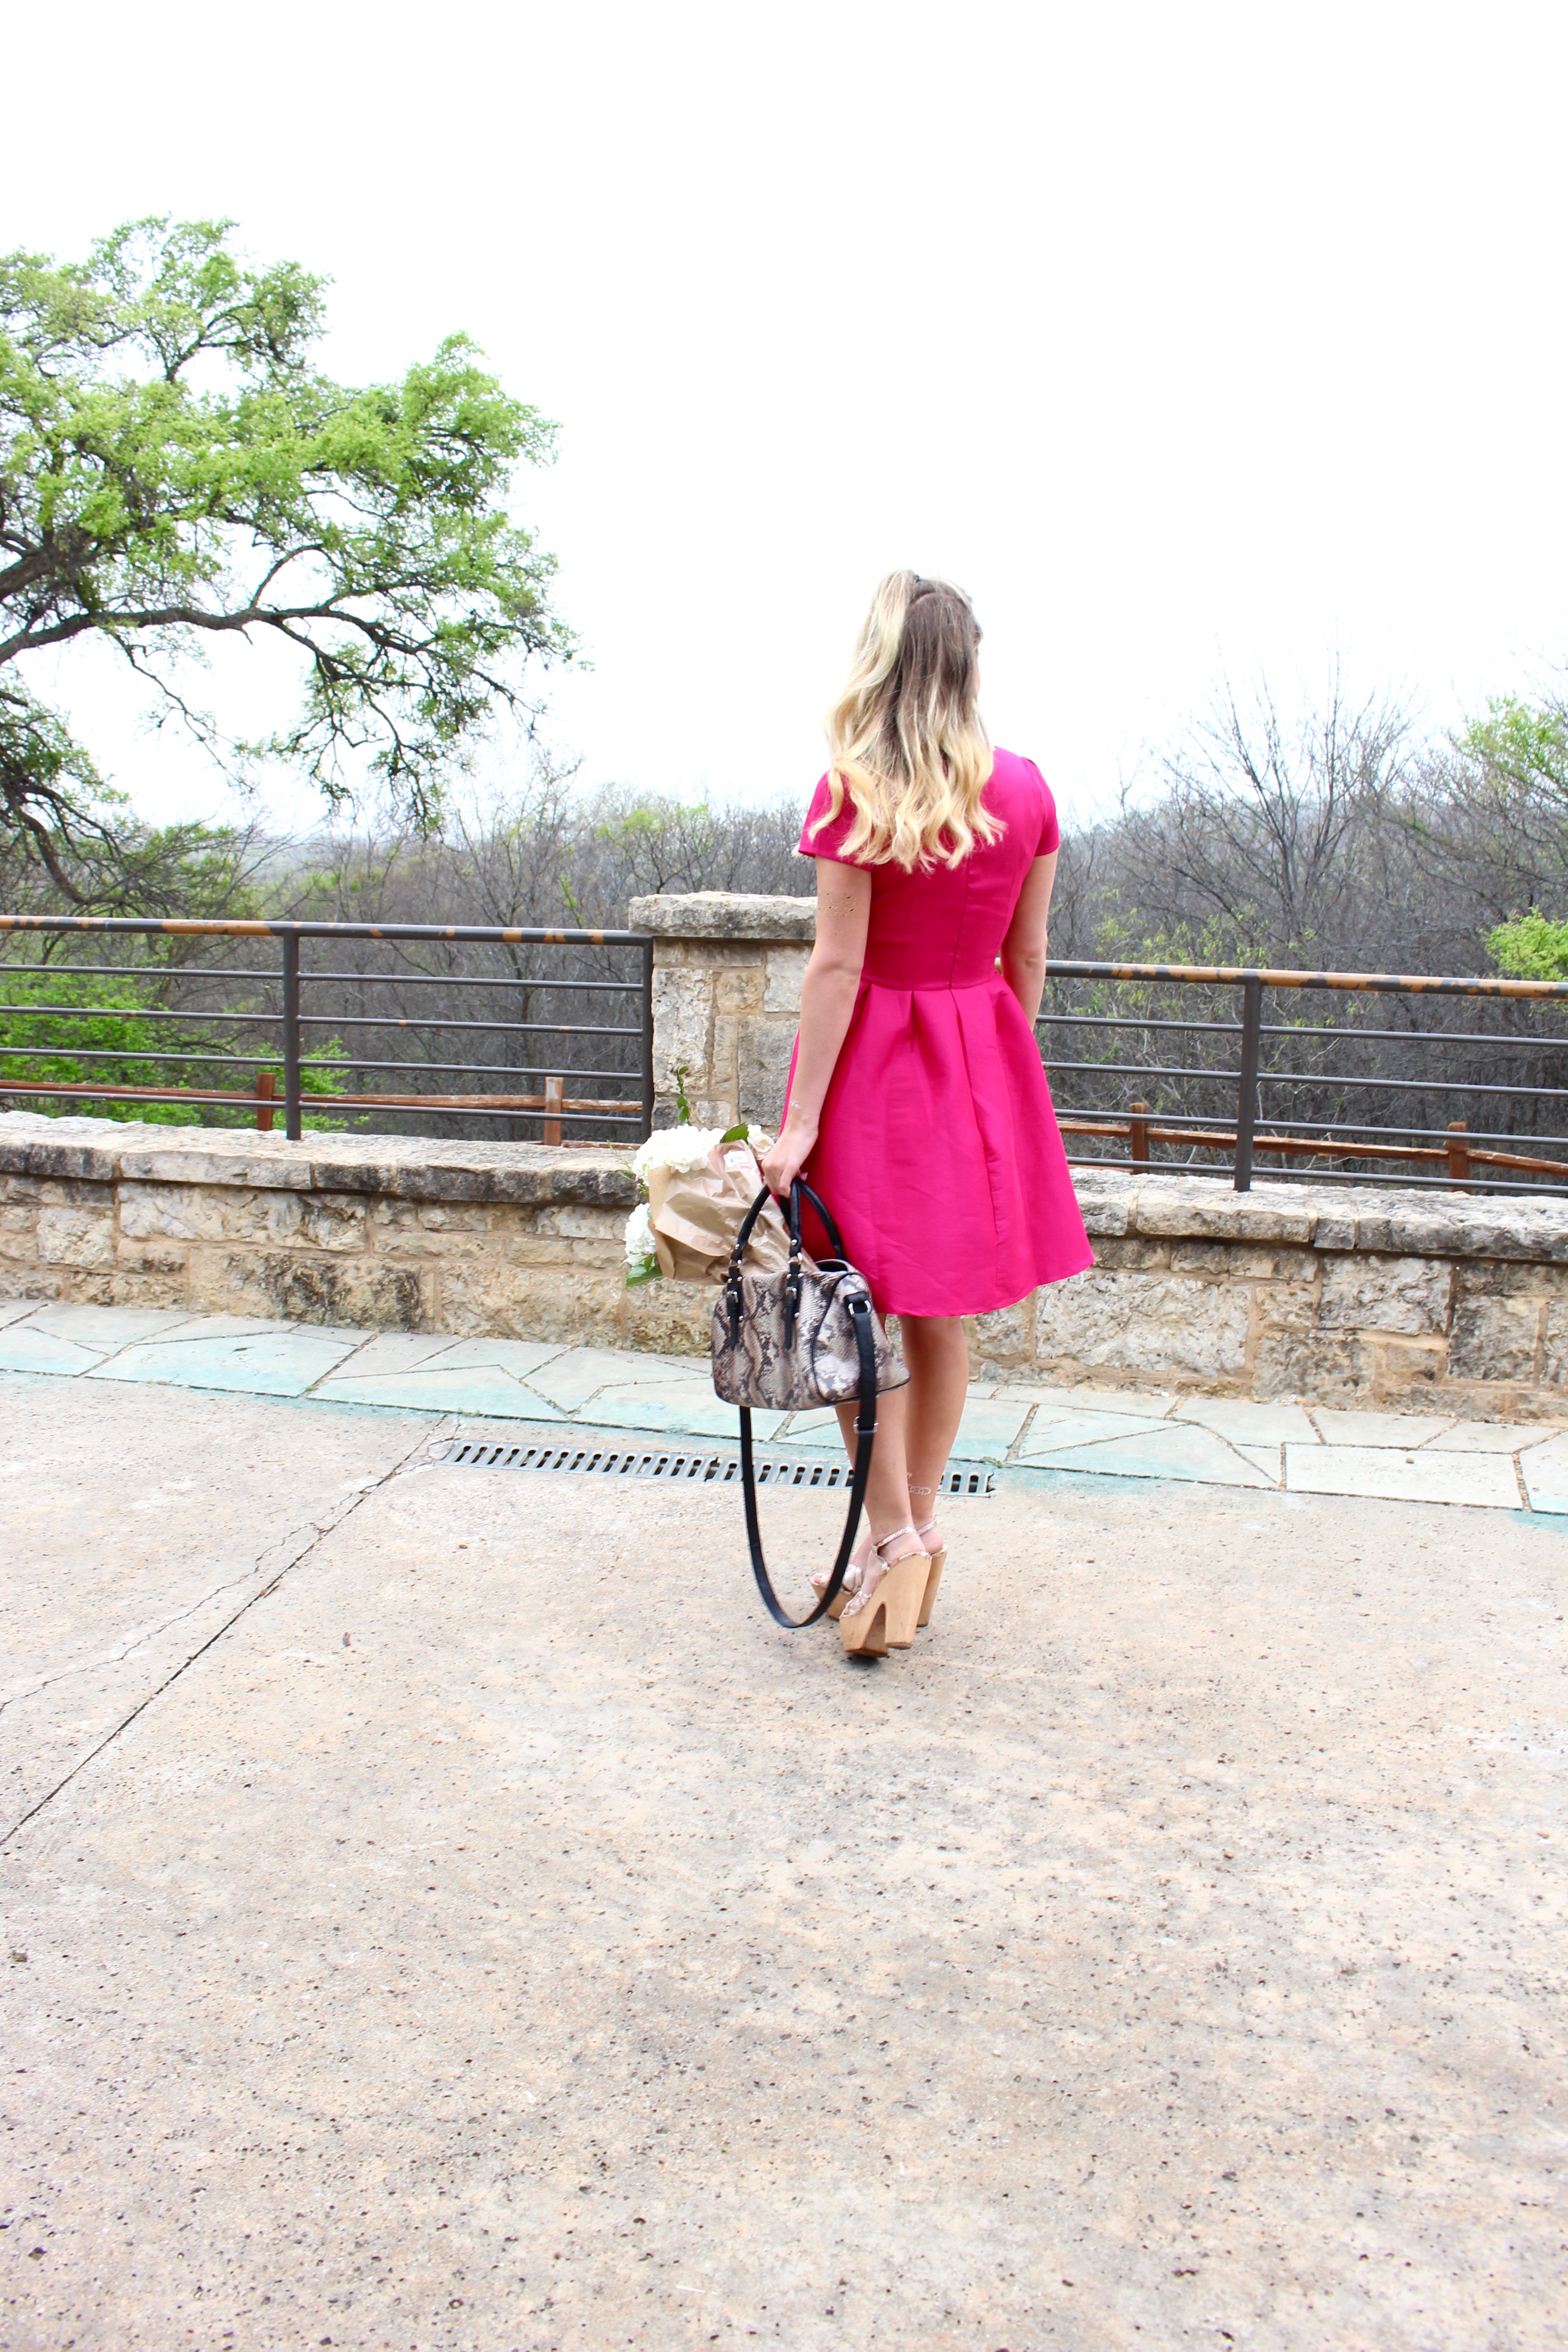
column 251, row 1020
column 1310, row 1119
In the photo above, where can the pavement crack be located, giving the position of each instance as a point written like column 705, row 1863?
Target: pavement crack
column 308, row 1539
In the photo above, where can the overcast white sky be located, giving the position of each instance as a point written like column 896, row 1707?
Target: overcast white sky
column 1183, row 337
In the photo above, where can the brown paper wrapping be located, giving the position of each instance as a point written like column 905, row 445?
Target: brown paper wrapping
column 696, row 1214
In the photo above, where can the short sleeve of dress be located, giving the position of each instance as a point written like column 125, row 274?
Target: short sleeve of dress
column 829, row 841
column 1050, row 831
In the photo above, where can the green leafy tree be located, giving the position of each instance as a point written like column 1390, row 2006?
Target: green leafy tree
column 1522, row 748
column 1530, row 947
column 174, row 469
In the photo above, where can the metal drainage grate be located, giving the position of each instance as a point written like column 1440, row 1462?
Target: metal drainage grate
column 654, row 1462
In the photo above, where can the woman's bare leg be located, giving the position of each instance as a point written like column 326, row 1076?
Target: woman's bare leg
column 916, row 1425
column 936, row 1350
column 887, row 1490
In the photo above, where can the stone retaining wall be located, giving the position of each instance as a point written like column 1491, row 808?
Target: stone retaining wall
column 389, row 1233
column 1429, row 1302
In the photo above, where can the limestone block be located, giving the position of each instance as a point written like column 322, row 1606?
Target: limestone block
column 1500, row 1278
column 1199, row 1208
column 1480, row 1228
column 155, row 1256
column 1194, row 1257
column 1494, row 1339
column 1131, row 1249
column 682, row 1014
column 75, row 1238
column 1003, row 1341
column 551, row 1249
column 439, row 1219
column 785, row 971
column 583, row 1224
column 1373, row 1293
column 411, row 1245
column 1284, row 1264
column 724, row 1063
column 217, row 1160
column 1319, row 1365
column 722, row 915
column 1336, row 1227
column 1142, row 1323
column 148, row 1288
column 738, row 988
column 1554, row 1344
column 670, row 1319
column 72, row 1192
column 1102, row 1208
column 1409, row 1368
column 31, row 1281
column 19, row 1190
column 555, row 1173
column 35, row 1156
column 364, row 1292
column 186, row 1212
column 318, row 1221
column 570, row 1305
column 763, row 1071
column 1285, row 1304
column 19, row 1248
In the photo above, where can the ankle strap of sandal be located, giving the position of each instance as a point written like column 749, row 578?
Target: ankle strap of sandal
column 897, row 1532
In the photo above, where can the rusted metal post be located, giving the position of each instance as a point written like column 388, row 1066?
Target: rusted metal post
column 554, row 1089
column 647, row 1040
column 1247, row 1090
column 1137, row 1134
column 291, row 1124
column 1458, row 1151
column 266, row 1095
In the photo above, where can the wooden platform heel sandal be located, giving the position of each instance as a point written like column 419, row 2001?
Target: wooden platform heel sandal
column 936, row 1562
column 888, row 1619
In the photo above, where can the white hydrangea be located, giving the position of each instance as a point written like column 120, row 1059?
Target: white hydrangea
column 678, row 1148
column 759, row 1140
column 639, row 1236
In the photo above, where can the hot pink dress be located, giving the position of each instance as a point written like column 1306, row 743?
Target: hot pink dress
column 939, row 1154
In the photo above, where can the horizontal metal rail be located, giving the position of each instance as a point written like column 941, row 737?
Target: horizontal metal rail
column 281, row 1031
column 1374, row 982
column 499, row 1106
column 212, row 928
column 1523, row 1038
column 306, row 1061
column 407, row 978
column 1298, row 1078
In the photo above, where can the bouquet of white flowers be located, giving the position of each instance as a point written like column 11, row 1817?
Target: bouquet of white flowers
column 699, row 1182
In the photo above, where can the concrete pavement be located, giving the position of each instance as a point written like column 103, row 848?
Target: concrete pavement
column 1116, row 1433
column 445, row 1911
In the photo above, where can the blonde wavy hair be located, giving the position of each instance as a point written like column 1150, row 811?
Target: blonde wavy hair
column 906, row 742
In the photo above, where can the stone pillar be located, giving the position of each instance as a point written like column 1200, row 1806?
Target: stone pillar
column 727, row 969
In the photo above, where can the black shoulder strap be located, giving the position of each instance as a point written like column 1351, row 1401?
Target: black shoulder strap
column 865, row 1432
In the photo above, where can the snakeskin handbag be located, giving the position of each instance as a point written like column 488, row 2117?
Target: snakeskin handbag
column 790, row 1342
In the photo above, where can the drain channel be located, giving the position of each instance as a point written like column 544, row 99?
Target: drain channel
column 667, row 1462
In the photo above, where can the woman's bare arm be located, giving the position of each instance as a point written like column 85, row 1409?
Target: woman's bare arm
column 1024, row 949
column 826, row 1004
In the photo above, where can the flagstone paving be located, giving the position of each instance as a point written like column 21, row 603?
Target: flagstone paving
column 1033, row 1427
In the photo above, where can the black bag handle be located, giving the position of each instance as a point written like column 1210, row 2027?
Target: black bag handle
column 865, row 1420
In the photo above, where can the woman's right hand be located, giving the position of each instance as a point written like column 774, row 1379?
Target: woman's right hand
column 789, row 1155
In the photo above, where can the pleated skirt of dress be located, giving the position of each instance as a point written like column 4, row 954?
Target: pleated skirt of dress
column 939, row 1153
